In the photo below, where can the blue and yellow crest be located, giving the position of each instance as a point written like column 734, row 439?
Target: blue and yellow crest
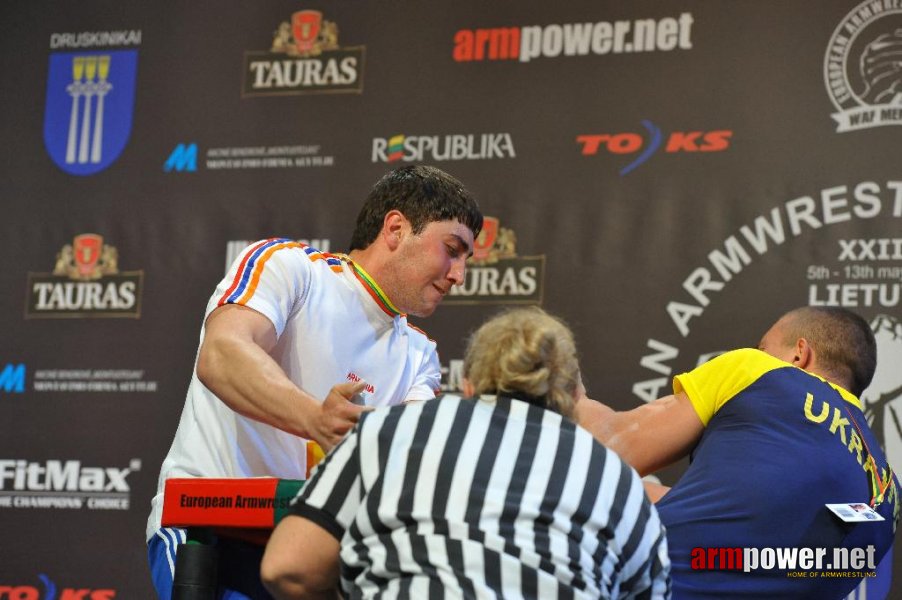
column 90, row 101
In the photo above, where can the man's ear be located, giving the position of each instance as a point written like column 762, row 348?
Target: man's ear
column 394, row 226
column 804, row 354
column 467, row 388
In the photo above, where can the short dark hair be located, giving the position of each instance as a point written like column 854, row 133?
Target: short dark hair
column 844, row 342
column 423, row 195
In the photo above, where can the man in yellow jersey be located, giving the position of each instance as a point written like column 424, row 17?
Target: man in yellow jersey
column 775, row 435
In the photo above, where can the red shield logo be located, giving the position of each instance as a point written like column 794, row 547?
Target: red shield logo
column 86, row 248
column 305, row 24
column 486, row 238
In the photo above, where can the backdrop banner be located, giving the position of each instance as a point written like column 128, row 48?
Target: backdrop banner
column 668, row 177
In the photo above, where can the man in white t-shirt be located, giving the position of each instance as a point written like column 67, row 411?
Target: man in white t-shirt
column 292, row 335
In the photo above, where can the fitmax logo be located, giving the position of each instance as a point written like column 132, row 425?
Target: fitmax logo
column 630, row 143
column 58, row 476
column 183, row 158
column 12, row 378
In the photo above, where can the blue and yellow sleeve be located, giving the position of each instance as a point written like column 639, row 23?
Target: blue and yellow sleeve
column 713, row 384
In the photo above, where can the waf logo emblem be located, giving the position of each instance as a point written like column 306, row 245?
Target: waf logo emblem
column 90, row 100
column 862, row 67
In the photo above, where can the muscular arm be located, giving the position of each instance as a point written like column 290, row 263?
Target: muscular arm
column 654, row 491
column 301, row 561
column 649, row 437
column 234, row 363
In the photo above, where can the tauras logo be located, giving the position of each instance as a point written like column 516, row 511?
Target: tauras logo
column 304, row 58
column 85, row 282
column 862, row 70
column 496, row 275
column 63, row 476
column 434, row 148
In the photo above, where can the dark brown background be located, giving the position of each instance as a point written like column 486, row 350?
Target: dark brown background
column 617, row 248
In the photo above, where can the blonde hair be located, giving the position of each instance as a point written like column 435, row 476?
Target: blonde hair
column 525, row 350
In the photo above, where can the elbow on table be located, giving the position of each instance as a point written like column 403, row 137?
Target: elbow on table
column 281, row 579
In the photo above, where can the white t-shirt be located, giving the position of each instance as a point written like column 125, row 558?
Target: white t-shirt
column 334, row 325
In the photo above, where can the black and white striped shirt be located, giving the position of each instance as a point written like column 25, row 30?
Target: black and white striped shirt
column 463, row 498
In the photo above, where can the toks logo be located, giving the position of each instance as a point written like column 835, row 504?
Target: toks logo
column 496, row 275
column 630, row 143
column 304, row 59
column 85, row 282
column 862, row 70
column 29, row 592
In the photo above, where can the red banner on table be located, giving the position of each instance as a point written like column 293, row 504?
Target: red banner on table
column 258, row 502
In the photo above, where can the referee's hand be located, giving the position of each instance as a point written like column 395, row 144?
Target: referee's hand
column 337, row 415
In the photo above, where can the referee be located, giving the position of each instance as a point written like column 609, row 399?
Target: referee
column 499, row 494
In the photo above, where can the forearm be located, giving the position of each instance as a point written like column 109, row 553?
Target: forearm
column 252, row 384
column 301, row 561
column 611, row 428
column 292, row 588
column 649, row 437
column 654, row 491
column 620, row 432
column 235, row 364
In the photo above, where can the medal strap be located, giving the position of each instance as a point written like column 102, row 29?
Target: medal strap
column 877, row 484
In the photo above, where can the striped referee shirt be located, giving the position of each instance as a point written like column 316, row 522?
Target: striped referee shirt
column 464, row 498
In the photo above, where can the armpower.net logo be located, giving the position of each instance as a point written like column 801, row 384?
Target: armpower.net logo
column 524, row 44
column 795, row 562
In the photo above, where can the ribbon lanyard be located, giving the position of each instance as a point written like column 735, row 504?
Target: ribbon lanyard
column 878, row 486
